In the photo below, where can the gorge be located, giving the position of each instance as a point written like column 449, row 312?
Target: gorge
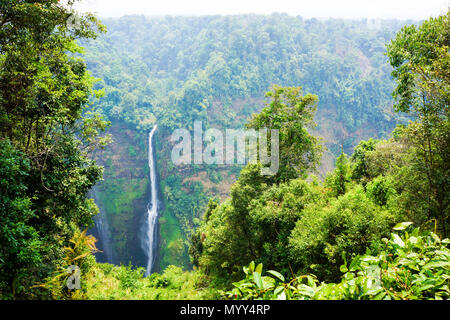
column 216, row 69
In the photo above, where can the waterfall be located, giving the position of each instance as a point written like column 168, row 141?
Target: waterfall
column 149, row 245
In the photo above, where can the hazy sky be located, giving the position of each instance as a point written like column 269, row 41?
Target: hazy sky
column 402, row 9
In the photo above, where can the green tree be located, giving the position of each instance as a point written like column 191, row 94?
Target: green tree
column 345, row 226
column 339, row 179
column 45, row 97
column 420, row 57
column 229, row 240
column 360, row 170
column 292, row 114
column 20, row 244
column 274, row 215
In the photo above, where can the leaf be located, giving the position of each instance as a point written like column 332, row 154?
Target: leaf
column 344, row 258
column 311, row 282
column 397, row 240
column 436, row 264
column 259, row 268
column 251, row 266
column 380, row 295
column 258, row 280
column 343, row 268
column 402, row 226
column 305, row 290
column 268, row 282
column 413, row 240
column 277, row 275
column 245, row 270
column 355, row 263
column 278, row 290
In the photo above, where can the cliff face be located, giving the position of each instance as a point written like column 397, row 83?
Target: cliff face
column 123, row 194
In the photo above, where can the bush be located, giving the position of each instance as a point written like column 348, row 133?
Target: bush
column 347, row 224
column 412, row 266
column 380, row 190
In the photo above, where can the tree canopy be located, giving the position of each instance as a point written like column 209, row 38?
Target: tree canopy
column 47, row 130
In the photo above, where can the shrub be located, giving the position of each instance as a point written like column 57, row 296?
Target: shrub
column 411, row 266
column 348, row 224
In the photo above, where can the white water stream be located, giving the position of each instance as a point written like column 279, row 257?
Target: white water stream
column 149, row 243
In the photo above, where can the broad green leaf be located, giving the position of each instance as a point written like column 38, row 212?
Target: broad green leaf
column 278, row 290
column 397, row 240
column 380, row 296
column 258, row 280
column 413, row 240
column 437, row 264
column 267, row 282
column 355, row 263
column 246, row 270
column 277, row 275
column 311, row 282
column 305, row 290
column 251, row 266
column 259, row 268
column 402, row 226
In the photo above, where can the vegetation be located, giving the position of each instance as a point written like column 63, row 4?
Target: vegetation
column 421, row 58
column 305, row 227
column 192, row 63
column 174, row 70
column 411, row 267
column 108, row 282
column 341, row 238
column 47, row 129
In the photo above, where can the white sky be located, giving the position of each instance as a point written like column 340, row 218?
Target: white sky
column 401, row 9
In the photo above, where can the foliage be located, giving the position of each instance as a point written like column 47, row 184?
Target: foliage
column 360, row 170
column 339, row 179
column 193, row 63
column 174, row 70
column 381, row 190
column 221, row 249
column 414, row 266
column 185, row 69
column 420, row 57
column 21, row 246
column 348, row 225
column 109, row 282
column 297, row 225
column 274, row 215
column 79, row 256
column 385, row 182
column 45, row 93
column 291, row 114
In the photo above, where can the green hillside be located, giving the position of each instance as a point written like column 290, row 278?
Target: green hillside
column 347, row 198
column 175, row 70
